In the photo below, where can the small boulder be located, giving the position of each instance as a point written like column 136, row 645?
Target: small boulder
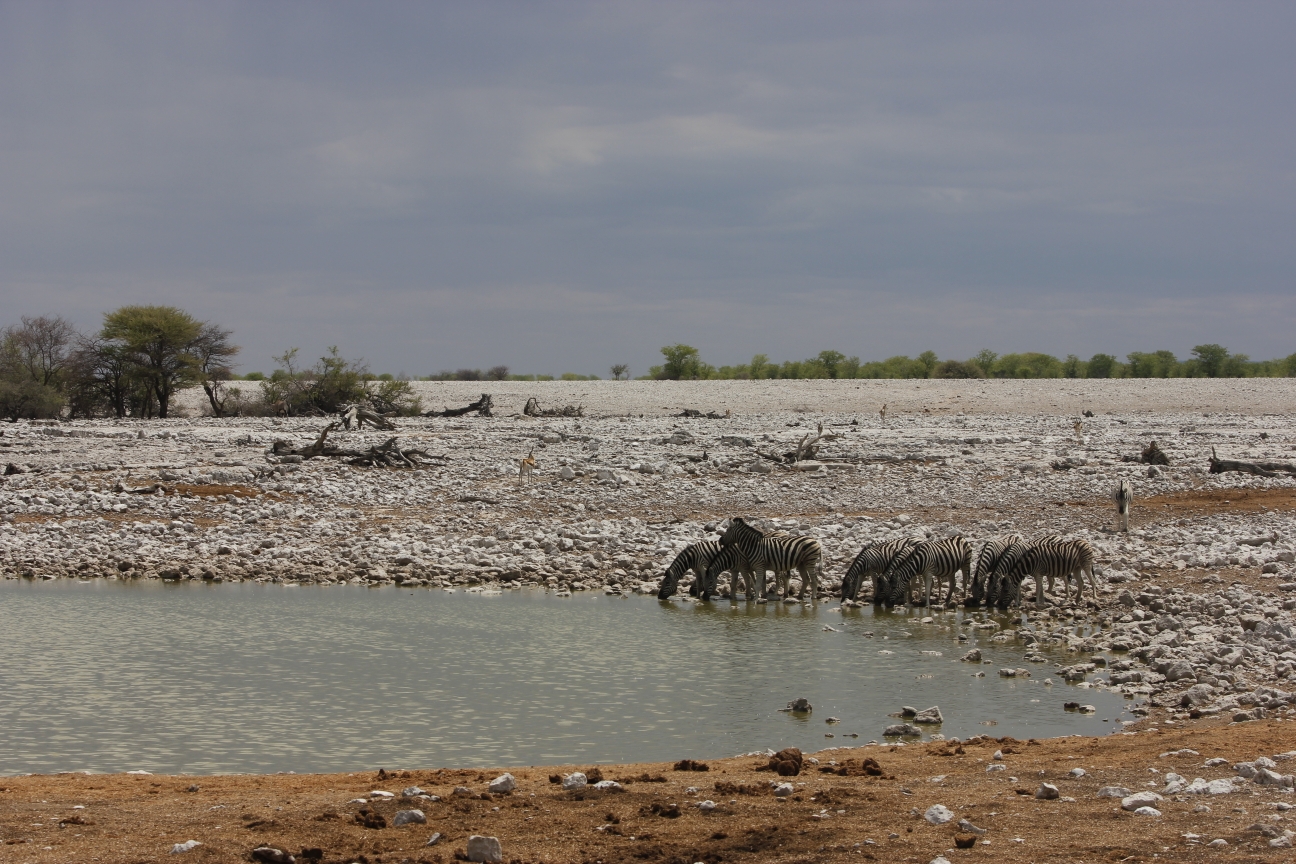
column 1113, row 792
column 1147, row 811
column 502, row 784
column 270, row 855
column 930, row 715
column 939, row 814
column 1139, row 799
column 973, row 656
column 783, row 790
column 408, row 817
column 1047, row 792
column 902, row 730
column 485, row 849
column 184, row 847
column 575, row 780
column 608, row 786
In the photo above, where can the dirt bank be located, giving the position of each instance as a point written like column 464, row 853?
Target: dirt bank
column 133, row 818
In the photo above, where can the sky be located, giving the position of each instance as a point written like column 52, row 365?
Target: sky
column 558, row 187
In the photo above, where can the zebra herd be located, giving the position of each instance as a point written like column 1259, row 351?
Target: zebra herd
column 897, row 569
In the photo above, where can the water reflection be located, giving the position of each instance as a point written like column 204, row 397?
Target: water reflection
column 112, row 676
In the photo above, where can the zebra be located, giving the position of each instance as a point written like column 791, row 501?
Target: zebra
column 872, row 562
column 1048, row 557
column 1124, row 497
column 933, row 560
column 751, row 575
column 780, row 554
column 697, row 557
column 993, row 554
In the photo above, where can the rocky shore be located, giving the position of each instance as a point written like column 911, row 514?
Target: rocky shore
column 1193, row 616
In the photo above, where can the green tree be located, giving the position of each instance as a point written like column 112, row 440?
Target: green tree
column 985, row 358
column 1073, row 367
column 759, row 367
column 1100, row 366
column 831, row 362
column 928, row 361
column 620, row 372
column 159, row 341
column 1209, row 360
column 958, row 369
column 682, row 363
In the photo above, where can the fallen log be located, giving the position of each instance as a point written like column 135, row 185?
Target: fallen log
column 389, row 454
column 482, row 406
column 533, row 409
column 360, row 415
column 1264, row 469
column 698, row 415
column 1153, row 455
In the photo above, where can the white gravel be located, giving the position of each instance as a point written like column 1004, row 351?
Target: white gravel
column 976, row 457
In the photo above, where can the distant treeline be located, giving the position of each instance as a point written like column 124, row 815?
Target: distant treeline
column 683, row 362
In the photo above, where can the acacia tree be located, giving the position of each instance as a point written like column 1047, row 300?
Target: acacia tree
column 212, row 352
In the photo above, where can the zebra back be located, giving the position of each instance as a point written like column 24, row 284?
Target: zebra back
column 942, row 557
column 873, row 560
column 1050, row 557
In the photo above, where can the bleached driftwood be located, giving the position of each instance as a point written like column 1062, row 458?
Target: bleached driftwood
column 389, row 454
column 360, row 415
column 533, row 409
column 482, row 406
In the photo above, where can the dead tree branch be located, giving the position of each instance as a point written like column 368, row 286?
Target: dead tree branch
column 361, row 415
column 1259, row 469
column 482, row 406
column 389, row 454
column 533, row 409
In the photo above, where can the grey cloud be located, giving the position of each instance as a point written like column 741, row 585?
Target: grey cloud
column 564, row 186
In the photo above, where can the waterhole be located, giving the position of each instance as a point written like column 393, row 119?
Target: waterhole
column 192, row 678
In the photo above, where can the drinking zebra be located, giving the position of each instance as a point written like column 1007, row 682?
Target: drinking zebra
column 694, row 557
column 871, row 563
column 1124, row 497
column 750, row 574
column 1049, row 557
column 993, row 554
column 932, row 560
column 782, row 554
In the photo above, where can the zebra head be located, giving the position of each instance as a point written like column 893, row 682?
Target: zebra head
column 737, row 531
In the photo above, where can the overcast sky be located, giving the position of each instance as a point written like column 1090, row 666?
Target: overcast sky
column 562, row 186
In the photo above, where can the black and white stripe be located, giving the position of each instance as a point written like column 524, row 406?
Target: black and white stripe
column 1124, row 497
column 1048, row 558
column 872, row 562
column 694, row 557
column 750, row 576
column 993, row 555
column 782, row 554
column 932, row 560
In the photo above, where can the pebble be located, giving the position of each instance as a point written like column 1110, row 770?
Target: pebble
column 783, row 790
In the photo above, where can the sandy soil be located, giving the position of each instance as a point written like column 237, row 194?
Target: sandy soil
column 1051, row 397
column 127, row 818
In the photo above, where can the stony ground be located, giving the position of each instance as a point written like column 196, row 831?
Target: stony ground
column 659, row 814
column 1193, row 617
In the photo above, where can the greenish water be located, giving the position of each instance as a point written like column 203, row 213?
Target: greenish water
column 115, row 676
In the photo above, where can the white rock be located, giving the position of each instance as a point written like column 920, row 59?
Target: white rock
column 783, row 790
column 608, row 786
column 706, row 806
column 939, row 814
column 409, row 817
column 501, row 784
column 1113, row 792
column 1139, row 799
column 575, row 780
column 378, row 793
column 1047, row 792
column 184, row 847
column 485, row 849
column 1147, row 811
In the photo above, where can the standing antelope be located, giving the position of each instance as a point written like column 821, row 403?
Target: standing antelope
column 525, row 467
column 1124, row 497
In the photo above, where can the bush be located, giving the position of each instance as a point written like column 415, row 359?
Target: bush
column 1100, row 366
column 26, row 399
column 957, row 369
